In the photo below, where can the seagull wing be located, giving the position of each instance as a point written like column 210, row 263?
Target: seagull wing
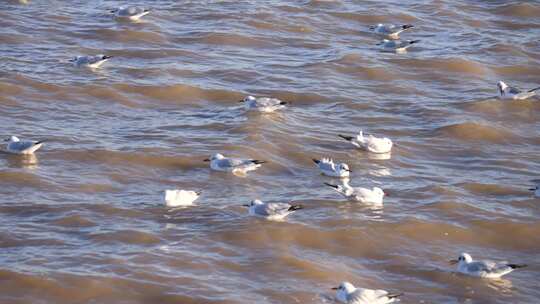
column 20, row 146
column 277, row 208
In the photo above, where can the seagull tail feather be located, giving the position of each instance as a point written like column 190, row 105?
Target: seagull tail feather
column 349, row 138
column 515, row 266
column 333, row 186
column 295, row 207
column 394, row 295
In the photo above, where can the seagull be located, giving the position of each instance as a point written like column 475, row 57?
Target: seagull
column 329, row 168
column 263, row 104
column 347, row 293
column 219, row 162
column 398, row 46
column 93, row 62
column 359, row 194
column 271, row 211
column 390, row 30
column 508, row 92
column 483, row 269
column 16, row 146
column 133, row 13
column 370, row 143
column 177, row 198
column 536, row 191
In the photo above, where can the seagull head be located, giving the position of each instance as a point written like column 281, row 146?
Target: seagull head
column 343, row 290
column 502, row 86
column 248, row 99
column 214, row 157
column 253, row 203
column 12, row 139
column 463, row 258
column 379, row 192
column 343, row 167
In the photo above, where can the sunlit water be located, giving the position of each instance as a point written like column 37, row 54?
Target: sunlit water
column 83, row 221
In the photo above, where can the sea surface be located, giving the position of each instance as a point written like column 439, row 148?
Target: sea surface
column 83, row 221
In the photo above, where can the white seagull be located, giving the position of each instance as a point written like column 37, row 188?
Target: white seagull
column 133, row 13
column 398, row 46
column 347, row 293
column 329, row 168
column 178, row 198
column 370, row 143
column 359, row 194
column 263, row 104
column 93, row 62
column 271, row 211
column 508, row 92
column 390, row 30
column 536, row 190
column 16, row 146
column 219, row 162
column 483, row 269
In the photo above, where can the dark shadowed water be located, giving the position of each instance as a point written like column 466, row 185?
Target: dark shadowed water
column 83, row 221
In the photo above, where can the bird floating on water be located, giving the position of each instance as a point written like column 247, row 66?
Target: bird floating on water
column 370, row 143
column 93, row 62
column 347, row 293
column 390, row 30
column 483, row 269
column 219, row 162
column 508, row 92
column 178, row 198
column 271, row 211
column 358, row 194
column 329, row 168
column 16, row 146
column 132, row 13
column 398, row 46
column 263, row 104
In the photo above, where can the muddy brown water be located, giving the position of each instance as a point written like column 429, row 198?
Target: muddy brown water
column 83, row 221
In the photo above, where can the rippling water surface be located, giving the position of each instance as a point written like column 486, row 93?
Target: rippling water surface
column 83, row 221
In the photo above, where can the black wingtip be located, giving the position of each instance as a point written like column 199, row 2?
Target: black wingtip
column 407, row 26
column 39, row 142
column 198, row 192
column 333, row 186
column 258, row 162
column 349, row 138
column 146, row 10
column 283, row 103
column 515, row 266
column 107, row 57
column 414, row 41
column 295, row 207
column 394, row 295
column 535, row 89
column 316, row 161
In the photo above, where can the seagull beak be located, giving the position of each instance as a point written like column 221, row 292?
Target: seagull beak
column 386, row 193
column 335, row 288
column 241, row 100
column 206, row 160
column 452, row 262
